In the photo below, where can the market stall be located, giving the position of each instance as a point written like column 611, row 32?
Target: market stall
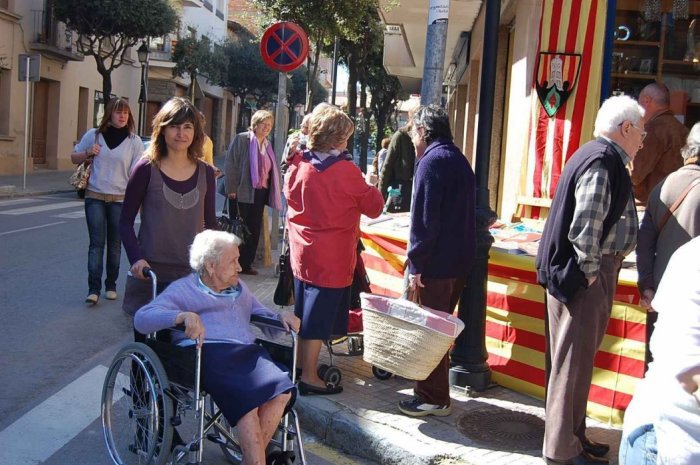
column 515, row 319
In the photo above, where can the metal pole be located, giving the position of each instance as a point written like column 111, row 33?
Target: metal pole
column 469, row 352
column 435, row 42
column 142, row 100
column 281, row 124
column 335, row 69
column 26, row 127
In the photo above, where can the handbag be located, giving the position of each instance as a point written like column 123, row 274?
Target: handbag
column 80, row 177
column 677, row 204
column 284, row 292
column 233, row 224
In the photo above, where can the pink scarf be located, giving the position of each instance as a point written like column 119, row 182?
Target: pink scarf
column 256, row 165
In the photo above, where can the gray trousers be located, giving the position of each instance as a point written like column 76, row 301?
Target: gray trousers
column 574, row 334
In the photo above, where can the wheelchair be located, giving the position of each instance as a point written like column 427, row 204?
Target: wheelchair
column 151, row 387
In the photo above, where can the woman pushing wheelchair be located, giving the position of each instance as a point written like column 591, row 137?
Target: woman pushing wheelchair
column 215, row 307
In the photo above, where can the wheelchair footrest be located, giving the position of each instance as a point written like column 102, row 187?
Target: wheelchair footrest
column 215, row 438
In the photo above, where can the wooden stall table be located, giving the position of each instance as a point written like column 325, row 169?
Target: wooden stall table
column 515, row 321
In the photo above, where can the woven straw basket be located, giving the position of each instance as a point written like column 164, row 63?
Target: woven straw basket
column 404, row 348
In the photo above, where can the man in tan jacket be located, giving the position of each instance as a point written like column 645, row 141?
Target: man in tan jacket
column 661, row 154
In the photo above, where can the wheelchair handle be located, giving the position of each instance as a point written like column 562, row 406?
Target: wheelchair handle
column 149, row 273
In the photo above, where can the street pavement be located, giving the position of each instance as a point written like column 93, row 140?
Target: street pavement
column 498, row 426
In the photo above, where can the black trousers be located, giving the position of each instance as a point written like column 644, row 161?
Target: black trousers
column 252, row 215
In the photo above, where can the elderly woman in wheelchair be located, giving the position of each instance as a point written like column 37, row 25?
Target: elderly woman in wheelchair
column 248, row 387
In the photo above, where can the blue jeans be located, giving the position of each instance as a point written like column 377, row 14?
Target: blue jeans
column 103, row 228
column 639, row 447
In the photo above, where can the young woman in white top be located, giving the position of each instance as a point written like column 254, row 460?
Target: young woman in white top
column 114, row 148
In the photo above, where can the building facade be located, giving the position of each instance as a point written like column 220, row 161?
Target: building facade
column 66, row 100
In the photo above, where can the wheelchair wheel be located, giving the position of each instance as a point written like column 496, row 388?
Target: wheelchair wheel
column 230, row 446
column 135, row 409
column 330, row 374
column 381, row 374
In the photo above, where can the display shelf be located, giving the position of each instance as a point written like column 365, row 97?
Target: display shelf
column 639, row 43
column 642, row 76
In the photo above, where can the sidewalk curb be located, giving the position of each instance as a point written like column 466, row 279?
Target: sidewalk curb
column 18, row 193
column 340, row 428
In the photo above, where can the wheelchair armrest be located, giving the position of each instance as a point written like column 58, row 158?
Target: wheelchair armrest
column 266, row 322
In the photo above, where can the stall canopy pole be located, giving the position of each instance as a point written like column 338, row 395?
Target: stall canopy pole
column 469, row 352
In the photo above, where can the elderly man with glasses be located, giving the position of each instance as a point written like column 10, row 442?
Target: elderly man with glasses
column 591, row 226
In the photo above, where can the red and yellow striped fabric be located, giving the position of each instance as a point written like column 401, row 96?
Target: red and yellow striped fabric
column 565, row 27
column 515, row 325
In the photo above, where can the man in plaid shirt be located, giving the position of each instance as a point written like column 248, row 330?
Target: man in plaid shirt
column 591, row 226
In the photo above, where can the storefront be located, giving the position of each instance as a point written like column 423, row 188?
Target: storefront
column 515, row 321
column 557, row 61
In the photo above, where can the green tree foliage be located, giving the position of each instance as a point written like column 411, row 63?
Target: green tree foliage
column 322, row 20
column 200, row 56
column 108, row 28
column 246, row 73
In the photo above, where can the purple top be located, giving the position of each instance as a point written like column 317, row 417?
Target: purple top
column 226, row 318
column 136, row 191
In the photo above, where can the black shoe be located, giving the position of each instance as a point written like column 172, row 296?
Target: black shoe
column 584, row 458
column 306, row 389
column 596, row 449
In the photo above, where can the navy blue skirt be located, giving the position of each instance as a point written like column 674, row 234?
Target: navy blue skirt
column 323, row 311
column 241, row 377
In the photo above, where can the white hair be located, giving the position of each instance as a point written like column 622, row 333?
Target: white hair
column 614, row 111
column 208, row 246
column 692, row 146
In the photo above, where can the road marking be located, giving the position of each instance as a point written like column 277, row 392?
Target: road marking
column 71, row 215
column 33, row 227
column 9, row 203
column 43, row 208
column 49, row 426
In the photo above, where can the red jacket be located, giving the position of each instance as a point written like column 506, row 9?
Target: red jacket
column 323, row 217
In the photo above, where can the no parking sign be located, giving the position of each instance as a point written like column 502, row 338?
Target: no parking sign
column 284, row 46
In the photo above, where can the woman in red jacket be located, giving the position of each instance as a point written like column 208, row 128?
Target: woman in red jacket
column 326, row 194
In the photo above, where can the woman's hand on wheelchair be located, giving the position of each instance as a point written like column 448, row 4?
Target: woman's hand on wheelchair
column 290, row 321
column 194, row 329
column 137, row 269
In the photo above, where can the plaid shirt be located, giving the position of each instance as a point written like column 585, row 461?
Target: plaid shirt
column 592, row 205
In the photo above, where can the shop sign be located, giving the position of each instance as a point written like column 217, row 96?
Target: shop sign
column 557, row 75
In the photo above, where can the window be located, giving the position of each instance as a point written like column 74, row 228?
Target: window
column 5, row 4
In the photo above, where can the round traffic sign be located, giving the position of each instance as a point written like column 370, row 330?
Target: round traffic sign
column 284, row 46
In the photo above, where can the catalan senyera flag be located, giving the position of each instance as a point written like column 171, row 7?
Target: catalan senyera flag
column 515, row 314
column 576, row 30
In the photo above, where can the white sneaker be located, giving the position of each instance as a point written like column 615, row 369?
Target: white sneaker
column 92, row 299
column 417, row 408
column 111, row 295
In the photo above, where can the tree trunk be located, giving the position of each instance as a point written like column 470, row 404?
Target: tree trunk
column 106, row 86
column 352, row 94
column 314, row 75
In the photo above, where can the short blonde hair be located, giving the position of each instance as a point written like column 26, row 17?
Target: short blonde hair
column 260, row 116
column 328, row 127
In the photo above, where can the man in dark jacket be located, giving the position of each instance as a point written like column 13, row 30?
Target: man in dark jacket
column 397, row 170
column 591, row 226
column 441, row 240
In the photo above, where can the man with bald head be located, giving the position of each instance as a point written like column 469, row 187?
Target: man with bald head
column 661, row 154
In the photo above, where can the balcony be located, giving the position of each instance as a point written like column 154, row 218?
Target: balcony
column 52, row 38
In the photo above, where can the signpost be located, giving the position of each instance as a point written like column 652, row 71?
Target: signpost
column 284, row 47
column 29, row 70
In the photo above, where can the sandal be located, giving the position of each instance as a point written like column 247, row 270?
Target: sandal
column 306, row 389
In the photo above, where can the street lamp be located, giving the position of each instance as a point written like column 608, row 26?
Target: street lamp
column 142, row 53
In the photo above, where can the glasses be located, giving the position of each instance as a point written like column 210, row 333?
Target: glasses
column 642, row 132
